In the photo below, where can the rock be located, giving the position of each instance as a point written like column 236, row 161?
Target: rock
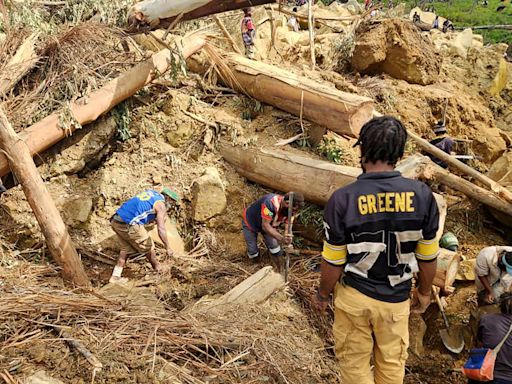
column 208, row 195
column 501, row 79
column 77, row 211
column 85, row 147
column 397, row 48
column 41, row 377
column 180, row 134
column 175, row 241
column 461, row 43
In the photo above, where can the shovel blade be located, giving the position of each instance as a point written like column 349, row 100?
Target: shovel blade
column 452, row 340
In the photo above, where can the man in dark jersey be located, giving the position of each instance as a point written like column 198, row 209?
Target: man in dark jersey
column 379, row 231
column 264, row 216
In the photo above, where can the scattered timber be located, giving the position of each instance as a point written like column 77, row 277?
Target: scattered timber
column 52, row 226
column 49, row 131
column 158, row 14
column 256, row 289
column 459, row 165
column 342, row 112
column 19, row 65
column 448, row 263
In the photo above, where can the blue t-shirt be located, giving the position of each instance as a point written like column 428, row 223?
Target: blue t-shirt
column 139, row 210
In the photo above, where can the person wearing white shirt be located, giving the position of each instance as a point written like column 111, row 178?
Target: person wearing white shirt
column 493, row 269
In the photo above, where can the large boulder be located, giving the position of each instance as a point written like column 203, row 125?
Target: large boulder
column 395, row 47
column 208, row 195
column 77, row 210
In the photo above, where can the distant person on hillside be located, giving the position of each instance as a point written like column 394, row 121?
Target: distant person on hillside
column 508, row 53
column 300, row 3
column 492, row 330
column 416, row 18
column 368, row 4
column 293, row 24
column 448, row 26
column 248, row 33
column 435, row 24
column 493, row 269
column 443, row 142
column 485, row 3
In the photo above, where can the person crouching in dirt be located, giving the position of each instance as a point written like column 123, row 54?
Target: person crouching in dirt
column 379, row 232
column 129, row 225
column 416, row 18
column 493, row 328
column 264, row 216
column 493, row 269
column 248, row 33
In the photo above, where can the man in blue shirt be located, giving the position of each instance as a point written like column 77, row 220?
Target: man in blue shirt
column 129, row 224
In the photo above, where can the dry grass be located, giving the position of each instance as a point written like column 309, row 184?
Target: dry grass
column 246, row 344
column 72, row 64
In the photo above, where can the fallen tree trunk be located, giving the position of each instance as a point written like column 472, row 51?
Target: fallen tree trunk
column 489, row 27
column 55, row 232
column 286, row 171
column 18, row 66
column 154, row 14
column 459, row 165
column 341, row 112
column 49, row 131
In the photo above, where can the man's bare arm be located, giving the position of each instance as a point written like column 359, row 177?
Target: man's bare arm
column 267, row 228
column 426, row 276
column 330, row 275
column 161, row 215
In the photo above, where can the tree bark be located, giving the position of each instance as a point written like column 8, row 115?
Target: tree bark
column 48, row 131
column 341, row 112
column 459, row 165
column 311, row 28
column 57, row 237
column 157, row 14
column 286, row 171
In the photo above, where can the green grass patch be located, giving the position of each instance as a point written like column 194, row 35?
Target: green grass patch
column 470, row 13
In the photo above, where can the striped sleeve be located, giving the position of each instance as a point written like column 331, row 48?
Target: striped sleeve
column 427, row 250
column 334, row 254
column 335, row 248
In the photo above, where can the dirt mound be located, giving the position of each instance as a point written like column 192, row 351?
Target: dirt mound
column 397, row 48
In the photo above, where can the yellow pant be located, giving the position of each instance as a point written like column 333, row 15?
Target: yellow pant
column 363, row 326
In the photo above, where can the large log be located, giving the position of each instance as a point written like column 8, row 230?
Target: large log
column 57, row 237
column 153, row 14
column 341, row 112
column 49, row 131
column 287, row 171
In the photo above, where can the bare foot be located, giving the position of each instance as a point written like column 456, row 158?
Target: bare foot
column 118, row 280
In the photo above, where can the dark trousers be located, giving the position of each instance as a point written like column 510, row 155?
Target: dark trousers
column 495, row 381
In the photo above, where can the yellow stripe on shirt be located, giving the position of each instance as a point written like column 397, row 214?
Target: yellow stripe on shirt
column 335, row 254
column 427, row 250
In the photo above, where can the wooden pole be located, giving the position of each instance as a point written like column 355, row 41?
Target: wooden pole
column 57, row 237
column 227, row 35
column 459, row 165
column 311, row 34
column 48, row 131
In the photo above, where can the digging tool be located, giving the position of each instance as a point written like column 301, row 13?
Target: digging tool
column 288, row 232
column 452, row 340
column 444, row 112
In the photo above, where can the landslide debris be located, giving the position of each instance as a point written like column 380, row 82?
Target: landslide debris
column 397, row 48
